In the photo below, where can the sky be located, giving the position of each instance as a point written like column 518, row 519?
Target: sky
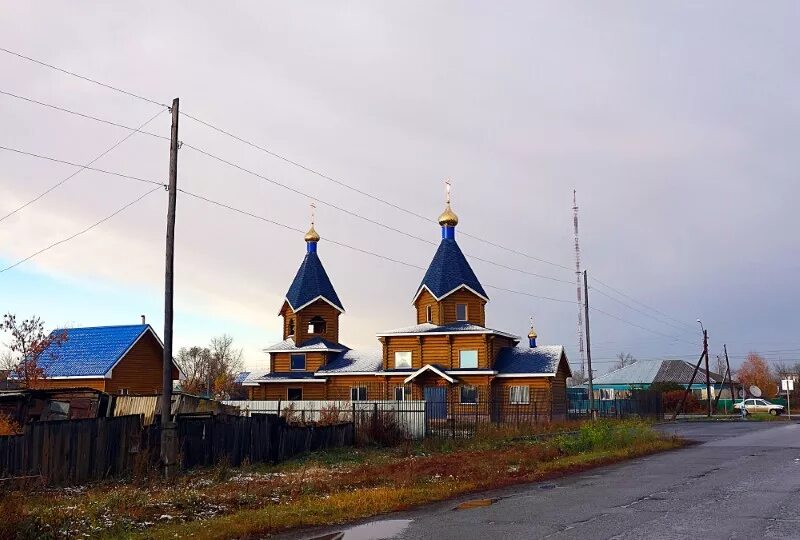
column 677, row 123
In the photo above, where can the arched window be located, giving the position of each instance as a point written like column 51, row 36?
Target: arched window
column 316, row 325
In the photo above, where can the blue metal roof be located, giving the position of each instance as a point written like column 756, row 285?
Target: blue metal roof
column 354, row 361
column 310, row 283
column 89, row 351
column 288, row 375
column 450, row 270
column 543, row 359
column 241, row 377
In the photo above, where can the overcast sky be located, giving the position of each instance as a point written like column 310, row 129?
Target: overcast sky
column 677, row 123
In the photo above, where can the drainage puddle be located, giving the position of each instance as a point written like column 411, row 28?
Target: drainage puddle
column 377, row 530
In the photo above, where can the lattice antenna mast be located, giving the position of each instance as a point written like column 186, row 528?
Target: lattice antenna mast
column 578, row 277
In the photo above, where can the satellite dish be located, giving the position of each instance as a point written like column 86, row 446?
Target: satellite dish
column 755, row 390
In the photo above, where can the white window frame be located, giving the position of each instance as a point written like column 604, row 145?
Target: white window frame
column 410, row 359
column 402, row 390
column 466, row 313
column 461, row 394
column 429, row 314
column 522, row 397
column 305, row 362
column 461, row 358
column 357, row 390
column 294, row 388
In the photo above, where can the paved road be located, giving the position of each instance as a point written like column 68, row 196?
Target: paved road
column 743, row 481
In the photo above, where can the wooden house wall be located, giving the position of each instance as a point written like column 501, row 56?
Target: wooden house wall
column 139, row 372
column 288, row 315
column 95, row 384
column 281, row 362
column 424, row 300
column 278, row 391
column 322, row 309
column 476, row 313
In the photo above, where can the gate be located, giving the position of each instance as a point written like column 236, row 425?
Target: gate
column 435, row 402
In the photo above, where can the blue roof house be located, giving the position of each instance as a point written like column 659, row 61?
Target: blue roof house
column 115, row 359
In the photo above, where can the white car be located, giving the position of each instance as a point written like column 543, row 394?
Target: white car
column 753, row 405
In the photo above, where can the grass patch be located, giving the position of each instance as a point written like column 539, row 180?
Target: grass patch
column 325, row 488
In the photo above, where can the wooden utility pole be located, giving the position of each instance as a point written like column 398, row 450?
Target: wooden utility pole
column 689, row 387
column 730, row 374
column 588, row 342
column 169, row 446
column 708, row 375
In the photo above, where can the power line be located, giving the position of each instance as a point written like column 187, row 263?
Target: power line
column 87, row 79
column 273, row 181
column 85, row 115
column 313, row 171
column 641, row 303
column 83, row 167
column 599, row 291
column 79, row 233
column 48, row 158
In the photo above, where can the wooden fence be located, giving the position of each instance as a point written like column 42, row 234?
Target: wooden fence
column 69, row 452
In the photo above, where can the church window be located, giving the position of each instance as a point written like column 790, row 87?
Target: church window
column 358, row 393
column 520, row 395
column 428, row 313
column 468, row 359
column 316, row 325
column 461, row 312
column 298, row 362
column 402, row 359
column 291, row 326
column 469, row 395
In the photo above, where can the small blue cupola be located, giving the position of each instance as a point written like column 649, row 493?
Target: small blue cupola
column 449, row 269
column 311, row 281
column 532, row 336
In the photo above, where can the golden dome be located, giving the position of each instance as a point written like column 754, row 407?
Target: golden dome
column 532, row 333
column 448, row 217
column 312, row 235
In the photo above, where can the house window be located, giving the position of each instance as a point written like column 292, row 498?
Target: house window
column 520, row 395
column 400, row 393
column 469, row 395
column 291, row 327
column 606, row 394
column 316, row 325
column 294, row 394
column 402, row 359
column 468, row 359
column 358, row 393
column 298, row 362
column 428, row 313
column 461, row 312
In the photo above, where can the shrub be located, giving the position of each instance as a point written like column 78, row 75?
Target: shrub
column 330, row 415
column 672, row 399
column 380, row 428
column 603, row 435
column 8, row 426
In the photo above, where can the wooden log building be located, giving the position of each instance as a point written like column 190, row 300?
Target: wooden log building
column 449, row 355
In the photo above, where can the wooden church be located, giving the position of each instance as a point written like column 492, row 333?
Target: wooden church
column 448, row 355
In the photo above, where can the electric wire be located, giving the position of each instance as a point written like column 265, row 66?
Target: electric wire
column 313, row 171
column 83, row 167
column 81, row 232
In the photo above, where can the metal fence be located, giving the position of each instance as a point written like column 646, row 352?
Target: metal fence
column 641, row 404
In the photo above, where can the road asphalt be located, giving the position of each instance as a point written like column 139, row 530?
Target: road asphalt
column 741, row 481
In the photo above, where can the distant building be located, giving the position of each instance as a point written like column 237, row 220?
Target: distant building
column 447, row 355
column 644, row 373
column 111, row 359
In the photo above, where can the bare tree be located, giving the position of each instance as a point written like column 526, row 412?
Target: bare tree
column 7, row 361
column 211, row 370
column 29, row 348
column 624, row 359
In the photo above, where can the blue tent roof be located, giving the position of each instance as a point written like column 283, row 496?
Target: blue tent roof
column 88, row 351
column 540, row 360
column 310, row 283
column 450, row 270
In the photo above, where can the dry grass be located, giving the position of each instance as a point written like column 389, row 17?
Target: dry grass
column 326, row 488
column 8, row 426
